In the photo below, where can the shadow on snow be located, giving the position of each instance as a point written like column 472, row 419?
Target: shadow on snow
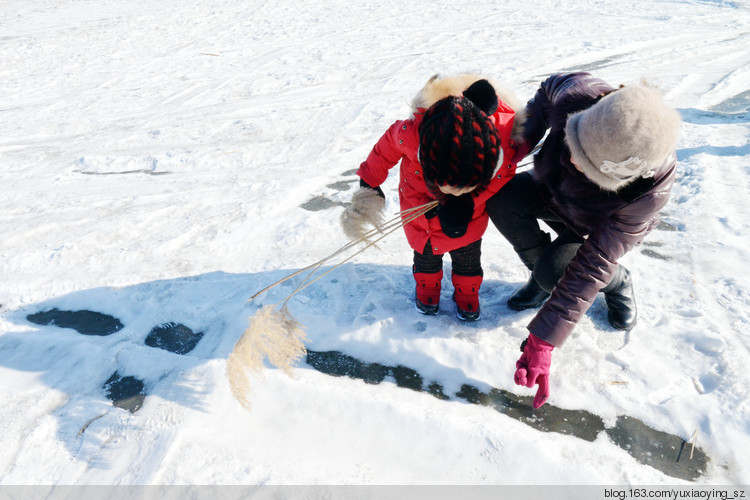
column 110, row 347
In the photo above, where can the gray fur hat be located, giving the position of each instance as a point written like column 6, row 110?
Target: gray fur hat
column 624, row 136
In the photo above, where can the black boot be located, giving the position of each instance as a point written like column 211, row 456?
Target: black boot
column 620, row 298
column 531, row 294
column 528, row 296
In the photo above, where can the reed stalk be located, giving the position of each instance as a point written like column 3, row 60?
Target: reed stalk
column 401, row 219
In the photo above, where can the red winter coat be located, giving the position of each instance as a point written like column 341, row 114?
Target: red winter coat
column 401, row 143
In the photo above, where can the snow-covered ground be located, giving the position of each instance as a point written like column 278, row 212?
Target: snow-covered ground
column 162, row 161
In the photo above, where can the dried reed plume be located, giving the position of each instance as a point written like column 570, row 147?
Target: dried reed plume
column 274, row 334
column 366, row 209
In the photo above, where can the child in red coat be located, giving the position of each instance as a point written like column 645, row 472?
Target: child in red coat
column 455, row 148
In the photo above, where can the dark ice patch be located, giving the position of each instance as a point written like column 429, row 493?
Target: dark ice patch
column 665, row 452
column 666, row 226
column 438, row 391
column 173, row 337
column 341, row 185
column 655, row 255
column 339, row 365
column 84, row 322
column 319, row 203
column 407, row 378
column 125, row 392
column 579, row 423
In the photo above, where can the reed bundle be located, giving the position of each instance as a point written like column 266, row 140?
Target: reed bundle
column 274, row 334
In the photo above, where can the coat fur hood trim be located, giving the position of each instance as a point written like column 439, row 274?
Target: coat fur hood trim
column 439, row 87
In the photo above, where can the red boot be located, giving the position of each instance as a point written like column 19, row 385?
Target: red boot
column 466, row 296
column 428, row 292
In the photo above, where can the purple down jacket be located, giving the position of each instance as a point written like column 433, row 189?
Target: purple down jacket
column 611, row 223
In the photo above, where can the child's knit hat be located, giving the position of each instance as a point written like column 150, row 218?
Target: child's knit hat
column 624, row 136
column 459, row 144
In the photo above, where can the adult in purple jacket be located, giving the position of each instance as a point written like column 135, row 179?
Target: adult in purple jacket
column 599, row 181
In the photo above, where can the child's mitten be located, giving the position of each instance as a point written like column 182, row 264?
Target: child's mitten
column 366, row 209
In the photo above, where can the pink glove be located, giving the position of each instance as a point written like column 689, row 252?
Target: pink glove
column 522, row 150
column 533, row 367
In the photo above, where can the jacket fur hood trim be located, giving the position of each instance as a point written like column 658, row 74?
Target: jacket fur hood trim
column 439, row 87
